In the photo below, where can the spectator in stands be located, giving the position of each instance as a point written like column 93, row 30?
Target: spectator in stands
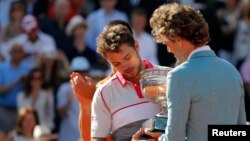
column 26, row 121
column 99, row 18
column 4, row 12
column 12, row 77
column 39, row 98
column 149, row 5
column 57, row 24
column 67, row 104
column 39, row 46
column 148, row 47
column 242, row 43
column 76, row 29
column 245, row 73
column 17, row 12
column 13, row 28
column 228, row 19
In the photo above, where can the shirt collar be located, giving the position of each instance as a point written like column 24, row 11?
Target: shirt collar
column 123, row 80
column 203, row 48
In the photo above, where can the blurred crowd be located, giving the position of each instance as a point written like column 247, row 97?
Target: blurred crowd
column 43, row 41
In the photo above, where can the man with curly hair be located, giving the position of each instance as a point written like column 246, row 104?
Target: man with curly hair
column 203, row 89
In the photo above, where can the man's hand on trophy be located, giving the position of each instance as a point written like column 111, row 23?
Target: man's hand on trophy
column 141, row 135
column 83, row 87
column 154, row 135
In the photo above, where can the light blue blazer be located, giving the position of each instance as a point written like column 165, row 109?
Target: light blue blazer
column 204, row 90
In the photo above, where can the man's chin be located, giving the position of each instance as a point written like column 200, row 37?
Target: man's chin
column 132, row 75
column 129, row 76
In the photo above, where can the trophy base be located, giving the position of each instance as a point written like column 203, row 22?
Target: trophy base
column 157, row 123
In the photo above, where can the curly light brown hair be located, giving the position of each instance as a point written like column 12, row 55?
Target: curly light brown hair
column 173, row 20
column 113, row 36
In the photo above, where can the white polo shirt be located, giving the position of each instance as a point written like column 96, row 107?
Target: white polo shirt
column 117, row 103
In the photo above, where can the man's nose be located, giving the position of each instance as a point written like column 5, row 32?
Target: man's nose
column 125, row 65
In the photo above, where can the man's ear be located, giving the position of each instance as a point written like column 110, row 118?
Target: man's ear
column 179, row 41
column 136, row 45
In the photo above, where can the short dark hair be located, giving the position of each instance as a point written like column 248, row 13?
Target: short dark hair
column 121, row 22
column 113, row 36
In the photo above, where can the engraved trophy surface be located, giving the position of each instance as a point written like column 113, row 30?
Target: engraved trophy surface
column 153, row 85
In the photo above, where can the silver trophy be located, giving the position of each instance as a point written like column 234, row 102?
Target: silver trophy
column 153, row 85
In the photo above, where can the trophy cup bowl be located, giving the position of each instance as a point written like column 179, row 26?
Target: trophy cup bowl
column 153, row 84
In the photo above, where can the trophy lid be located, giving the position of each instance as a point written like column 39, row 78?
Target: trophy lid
column 163, row 71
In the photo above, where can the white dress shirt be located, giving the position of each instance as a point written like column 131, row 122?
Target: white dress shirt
column 203, row 48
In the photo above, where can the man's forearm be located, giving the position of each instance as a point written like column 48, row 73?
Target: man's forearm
column 85, row 120
column 81, row 127
column 4, row 89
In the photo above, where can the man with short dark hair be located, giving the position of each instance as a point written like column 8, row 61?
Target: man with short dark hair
column 118, row 106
